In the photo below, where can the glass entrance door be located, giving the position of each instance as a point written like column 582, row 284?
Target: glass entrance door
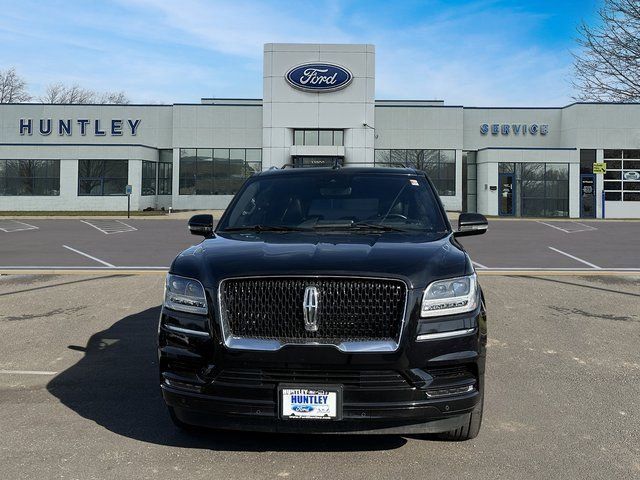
column 587, row 196
column 506, row 193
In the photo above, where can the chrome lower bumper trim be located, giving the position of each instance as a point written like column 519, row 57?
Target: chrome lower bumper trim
column 186, row 331
column 443, row 335
column 243, row 343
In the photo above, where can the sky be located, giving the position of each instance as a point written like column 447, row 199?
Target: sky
column 465, row 52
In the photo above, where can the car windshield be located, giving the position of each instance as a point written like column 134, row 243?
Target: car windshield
column 335, row 201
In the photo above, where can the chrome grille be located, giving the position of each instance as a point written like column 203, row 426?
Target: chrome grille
column 349, row 309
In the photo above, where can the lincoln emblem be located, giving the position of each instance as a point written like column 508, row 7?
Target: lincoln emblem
column 310, row 309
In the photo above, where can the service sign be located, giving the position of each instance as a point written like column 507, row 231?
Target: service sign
column 319, row 77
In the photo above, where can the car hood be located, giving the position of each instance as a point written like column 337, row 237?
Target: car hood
column 416, row 258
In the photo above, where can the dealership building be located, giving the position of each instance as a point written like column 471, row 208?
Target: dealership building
column 319, row 108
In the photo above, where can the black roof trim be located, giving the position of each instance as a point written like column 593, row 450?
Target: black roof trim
column 408, row 100
column 554, row 108
column 165, row 105
column 418, row 106
column 525, row 148
column 344, row 169
column 93, row 104
column 233, row 98
column 32, row 144
column 218, row 104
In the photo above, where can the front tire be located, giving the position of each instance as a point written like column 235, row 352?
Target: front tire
column 469, row 431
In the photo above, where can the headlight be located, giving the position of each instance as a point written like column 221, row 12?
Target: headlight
column 454, row 295
column 184, row 294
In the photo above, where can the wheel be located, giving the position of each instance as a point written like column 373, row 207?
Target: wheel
column 466, row 432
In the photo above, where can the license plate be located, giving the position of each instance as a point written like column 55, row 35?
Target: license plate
column 320, row 403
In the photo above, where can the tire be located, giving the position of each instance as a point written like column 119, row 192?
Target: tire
column 469, row 431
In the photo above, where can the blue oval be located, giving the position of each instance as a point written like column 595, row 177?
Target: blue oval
column 302, row 408
column 319, row 77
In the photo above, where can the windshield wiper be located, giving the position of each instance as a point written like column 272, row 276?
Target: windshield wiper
column 359, row 226
column 376, row 226
column 265, row 228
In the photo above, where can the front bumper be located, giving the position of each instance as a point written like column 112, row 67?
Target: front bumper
column 230, row 414
column 417, row 389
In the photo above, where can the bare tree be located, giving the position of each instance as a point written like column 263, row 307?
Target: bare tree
column 61, row 93
column 75, row 94
column 13, row 89
column 114, row 97
column 608, row 66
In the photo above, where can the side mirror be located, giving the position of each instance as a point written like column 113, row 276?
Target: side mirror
column 471, row 224
column 201, row 225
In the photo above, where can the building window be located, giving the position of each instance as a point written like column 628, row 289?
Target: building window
column 469, row 182
column 439, row 165
column 30, row 177
column 103, row 177
column 165, row 172
column 542, row 189
column 149, row 170
column 587, row 159
column 622, row 180
column 318, row 137
column 217, row 171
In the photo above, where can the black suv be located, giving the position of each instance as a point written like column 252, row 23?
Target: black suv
column 327, row 300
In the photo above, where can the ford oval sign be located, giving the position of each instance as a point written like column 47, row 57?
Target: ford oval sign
column 319, row 77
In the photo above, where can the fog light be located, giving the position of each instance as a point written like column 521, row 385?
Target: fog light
column 182, row 385
column 449, row 391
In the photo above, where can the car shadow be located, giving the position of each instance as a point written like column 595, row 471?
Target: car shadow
column 115, row 385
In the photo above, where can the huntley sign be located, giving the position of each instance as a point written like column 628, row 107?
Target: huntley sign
column 319, row 77
column 66, row 127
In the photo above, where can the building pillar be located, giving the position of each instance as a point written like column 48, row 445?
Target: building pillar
column 574, row 188
column 599, row 185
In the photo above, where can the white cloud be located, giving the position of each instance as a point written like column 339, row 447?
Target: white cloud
column 242, row 27
column 181, row 50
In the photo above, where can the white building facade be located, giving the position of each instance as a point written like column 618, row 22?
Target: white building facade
column 319, row 108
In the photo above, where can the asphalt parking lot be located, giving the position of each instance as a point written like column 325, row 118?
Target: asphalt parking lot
column 151, row 244
column 79, row 395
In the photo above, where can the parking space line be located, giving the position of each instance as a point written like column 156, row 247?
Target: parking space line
column 109, row 227
column 552, row 226
column 5, row 226
column 479, row 265
column 576, row 258
column 587, row 228
column 26, row 372
column 107, row 264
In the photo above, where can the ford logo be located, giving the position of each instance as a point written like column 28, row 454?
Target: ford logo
column 319, row 77
column 302, row 408
column 631, row 175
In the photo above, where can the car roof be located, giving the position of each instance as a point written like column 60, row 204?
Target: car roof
column 345, row 170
